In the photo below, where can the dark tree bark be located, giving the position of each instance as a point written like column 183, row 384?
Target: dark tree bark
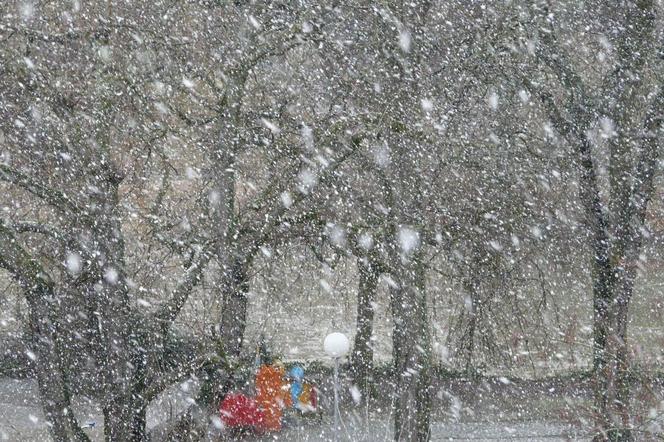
column 411, row 352
column 51, row 375
column 473, row 316
column 234, row 310
column 362, row 354
column 614, row 281
column 46, row 338
column 616, row 225
column 110, row 299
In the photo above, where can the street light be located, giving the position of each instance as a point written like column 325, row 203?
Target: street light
column 336, row 345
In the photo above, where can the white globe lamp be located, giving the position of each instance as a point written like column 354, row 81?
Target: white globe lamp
column 336, row 345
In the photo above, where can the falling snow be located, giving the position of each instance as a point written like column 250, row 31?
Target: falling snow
column 467, row 196
column 409, row 239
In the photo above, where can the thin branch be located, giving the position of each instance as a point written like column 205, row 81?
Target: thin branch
column 20, row 264
column 167, row 313
column 176, row 375
column 276, row 218
column 647, row 165
column 52, row 196
column 34, row 227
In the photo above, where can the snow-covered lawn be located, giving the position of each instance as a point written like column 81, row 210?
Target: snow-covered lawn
column 21, row 419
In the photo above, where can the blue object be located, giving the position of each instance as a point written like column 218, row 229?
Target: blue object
column 297, row 374
column 296, row 391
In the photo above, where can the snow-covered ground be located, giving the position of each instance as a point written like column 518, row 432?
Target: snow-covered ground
column 21, row 419
column 466, row 431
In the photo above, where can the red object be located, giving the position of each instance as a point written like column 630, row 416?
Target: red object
column 238, row 410
column 314, row 398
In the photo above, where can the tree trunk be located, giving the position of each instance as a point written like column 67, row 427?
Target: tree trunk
column 234, row 310
column 111, row 302
column 139, row 385
column 232, row 283
column 611, row 375
column 362, row 355
column 51, row 376
column 614, row 273
column 138, row 424
column 411, row 353
column 46, row 337
column 473, row 313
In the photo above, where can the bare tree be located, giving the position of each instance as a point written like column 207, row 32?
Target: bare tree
column 623, row 110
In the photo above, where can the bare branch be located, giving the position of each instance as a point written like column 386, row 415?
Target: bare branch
column 34, row 227
column 52, row 196
column 170, row 310
column 20, row 264
column 647, row 165
column 176, row 375
column 276, row 218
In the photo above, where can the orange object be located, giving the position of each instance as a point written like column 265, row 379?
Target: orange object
column 272, row 395
column 308, row 398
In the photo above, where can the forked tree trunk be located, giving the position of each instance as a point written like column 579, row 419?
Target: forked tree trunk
column 45, row 336
column 616, row 248
column 51, row 375
column 110, row 298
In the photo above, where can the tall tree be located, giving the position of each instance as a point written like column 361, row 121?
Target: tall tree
column 620, row 115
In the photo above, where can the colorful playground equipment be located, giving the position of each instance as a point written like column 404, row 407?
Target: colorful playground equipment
column 275, row 393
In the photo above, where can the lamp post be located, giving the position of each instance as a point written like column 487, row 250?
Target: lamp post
column 336, row 345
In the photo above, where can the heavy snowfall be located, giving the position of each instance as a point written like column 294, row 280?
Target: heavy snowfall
column 331, row 220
